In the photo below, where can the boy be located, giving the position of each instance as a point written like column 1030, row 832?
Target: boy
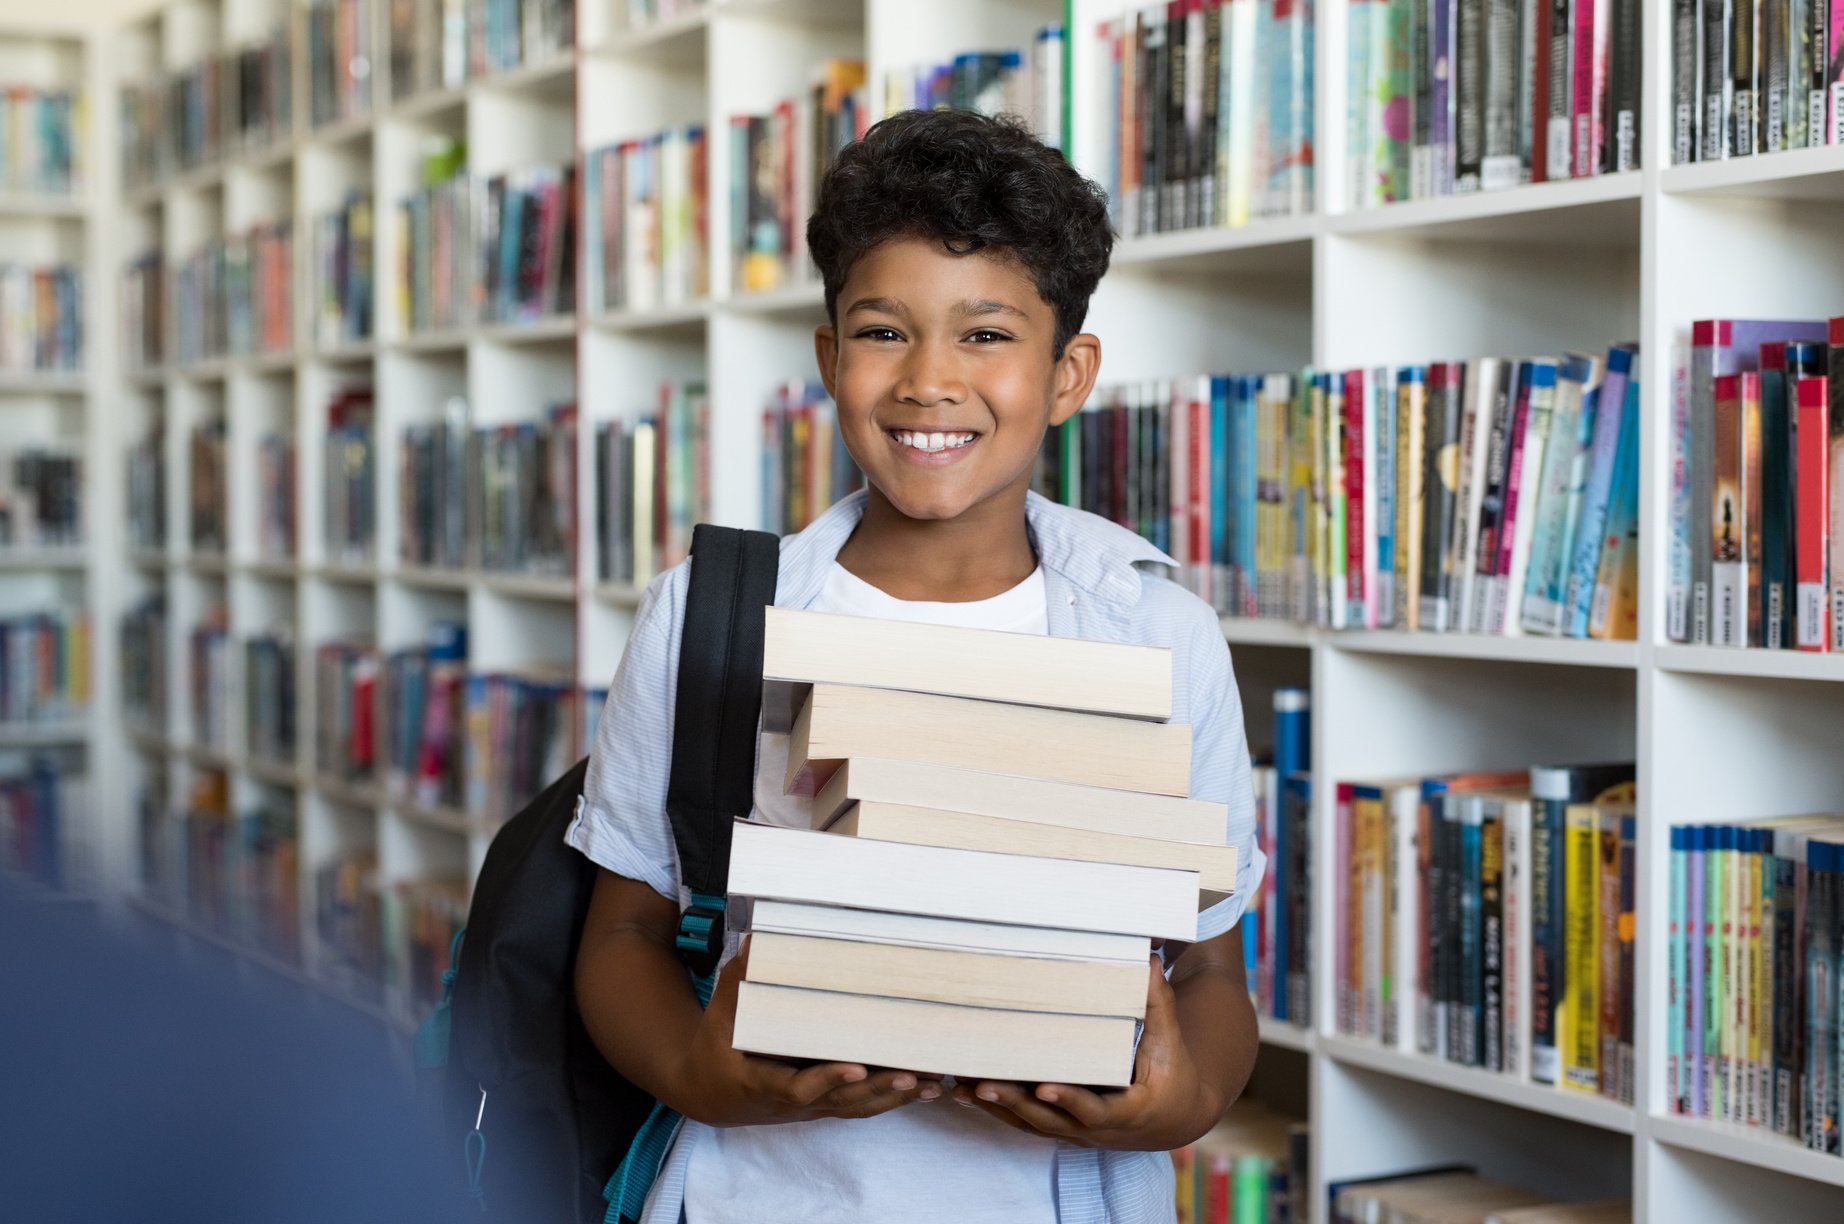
column 958, row 255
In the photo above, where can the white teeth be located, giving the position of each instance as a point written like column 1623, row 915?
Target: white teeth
column 932, row 442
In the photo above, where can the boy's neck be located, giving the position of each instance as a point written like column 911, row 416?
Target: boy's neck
column 983, row 553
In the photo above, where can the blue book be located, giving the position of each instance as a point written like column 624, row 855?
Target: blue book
column 1470, row 811
column 1622, row 516
column 1383, row 427
column 1219, row 492
column 1584, row 551
column 1247, row 457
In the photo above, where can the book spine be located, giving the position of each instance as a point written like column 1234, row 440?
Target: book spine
column 1380, row 548
column 1678, row 554
column 1743, row 117
column 1501, row 441
column 1620, row 149
column 1444, row 24
column 1778, row 514
column 1428, row 1019
column 1411, row 423
column 1571, row 432
column 1607, row 907
column 1773, row 65
column 1469, row 93
column 1440, row 487
column 1728, row 575
column 1719, row 903
column 1834, row 455
column 1714, row 17
column 1357, row 447
column 1581, row 1042
column 1676, row 975
column 1811, row 437
column 1479, row 410
column 1752, row 525
column 1421, row 101
column 1622, row 515
column 1468, row 996
column 1785, row 1117
column 1502, row 164
column 1821, row 989
column 1603, row 462
column 1696, row 971
column 1492, row 939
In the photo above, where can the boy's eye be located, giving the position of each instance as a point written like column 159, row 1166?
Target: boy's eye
column 878, row 333
column 987, row 336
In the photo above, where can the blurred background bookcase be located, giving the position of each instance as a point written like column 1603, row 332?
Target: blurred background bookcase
column 211, row 766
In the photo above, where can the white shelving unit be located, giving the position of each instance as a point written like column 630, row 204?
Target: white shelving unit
column 62, row 408
column 1717, row 734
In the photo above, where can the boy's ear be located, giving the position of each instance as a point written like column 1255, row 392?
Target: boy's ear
column 826, row 350
column 1076, row 371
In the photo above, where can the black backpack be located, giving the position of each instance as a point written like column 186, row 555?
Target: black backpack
column 540, row 1117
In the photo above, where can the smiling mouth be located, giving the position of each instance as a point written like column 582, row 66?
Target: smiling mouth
column 932, row 442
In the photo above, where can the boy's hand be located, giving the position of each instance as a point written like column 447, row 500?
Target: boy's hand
column 1167, row 1106
column 722, row 1086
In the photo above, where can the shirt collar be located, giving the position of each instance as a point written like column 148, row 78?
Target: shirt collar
column 1093, row 554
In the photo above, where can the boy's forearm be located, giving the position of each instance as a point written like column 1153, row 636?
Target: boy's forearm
column 638, row 1006
column 1217, row 1019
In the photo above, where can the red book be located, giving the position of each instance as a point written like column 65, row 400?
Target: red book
column 1834, row 472
column 1811, row 535
column 1197, row 486
column 1355, row 590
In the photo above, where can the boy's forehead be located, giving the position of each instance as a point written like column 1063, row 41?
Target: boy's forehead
column 908, row 274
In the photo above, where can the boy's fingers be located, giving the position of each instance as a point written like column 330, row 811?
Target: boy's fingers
column 809, row 1084
column 882, row 1083
column 1015, row 1099
column 1089, row 1108
column 872, row 1104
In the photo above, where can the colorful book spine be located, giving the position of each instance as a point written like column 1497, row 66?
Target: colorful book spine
column 1811, row 433
column 1603, row 465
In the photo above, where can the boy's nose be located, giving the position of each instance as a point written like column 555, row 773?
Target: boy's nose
column 930, row 377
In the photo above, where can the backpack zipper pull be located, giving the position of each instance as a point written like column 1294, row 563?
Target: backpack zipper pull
column 475, row 1150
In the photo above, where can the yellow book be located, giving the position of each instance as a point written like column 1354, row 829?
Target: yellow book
column 1761, row 994
column 1411, row 419
column 1581, row 1009
column 1184, row 1179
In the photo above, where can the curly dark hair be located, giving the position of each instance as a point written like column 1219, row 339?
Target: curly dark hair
column 976, row 183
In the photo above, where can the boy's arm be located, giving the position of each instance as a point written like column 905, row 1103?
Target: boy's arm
column 639, row 1008
column 1195, row 1057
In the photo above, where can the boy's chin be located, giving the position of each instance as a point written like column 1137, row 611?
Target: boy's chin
column 937, row 507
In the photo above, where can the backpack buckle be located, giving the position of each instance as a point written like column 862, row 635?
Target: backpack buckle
column 701, row 932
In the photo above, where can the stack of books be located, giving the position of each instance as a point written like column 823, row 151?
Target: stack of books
column 1498, row 495
column 1208, row 117
column 41, row 318
column 1487, row 919
column 999, row 827
column 1752, row 1028
column 1250, row 1169
column 1757, row 440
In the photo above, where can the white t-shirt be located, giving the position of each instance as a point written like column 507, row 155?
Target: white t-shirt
column 925, row 1161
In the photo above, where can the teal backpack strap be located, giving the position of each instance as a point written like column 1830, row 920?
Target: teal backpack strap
column 432, row 1033
column 627, row 1190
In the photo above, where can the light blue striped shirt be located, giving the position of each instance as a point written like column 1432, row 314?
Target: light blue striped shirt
column 1096, row 588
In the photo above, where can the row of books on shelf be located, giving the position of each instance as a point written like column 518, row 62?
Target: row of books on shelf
column 494, row 248
column 1026, row 82
column 340, row 50
column 500, row 497
column 343, row 273
column 1753, row 1008
column 485, row 743
column 44, row 666
column 1756, row 79
column 235, row 102
column 44, row 802
column 41, row 318
column 233, row 297
column 386, row 943
column 1251, row 1168
column 641, row 14
column 443, row 44
column 1277, row 921
column 208, row 676
column 1757, row 451
column 41, row 497
column 776, row 162
column 1488, row 919
column 1208, row 113
column 647, row 204
column 269, row 696
column 805, row 466
column 146, row 470
column 1492, row 496
column 42, row 137
column 208, row 484
column 144, row 661
column 1445, row 99
column 653, row 485
column 232, row 874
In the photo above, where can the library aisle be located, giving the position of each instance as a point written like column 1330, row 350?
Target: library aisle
column 362, row 360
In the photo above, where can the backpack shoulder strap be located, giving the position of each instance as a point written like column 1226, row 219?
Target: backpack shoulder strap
column 733, row 577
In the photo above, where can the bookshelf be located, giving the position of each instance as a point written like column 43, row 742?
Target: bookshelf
column 1717, row 734
column 54, row 561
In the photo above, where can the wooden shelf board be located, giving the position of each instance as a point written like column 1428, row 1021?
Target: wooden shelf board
column 274, row 569
column 1287, row 1036
column 42, row 206
column 342, row 131
column 1579, row 1107
column 18, row 559
column 345, row 575
column 1748, row 1145
column 1795, row 174
column 1254, row 631
column 548, row 330
column 29, row 382
column 689, row 317
column 1264, row 244
column 43, row 735
column 1595, row 211
column 431, row 577
column 350, row 794
column 1569, row 652
column 278, row 773
column 552, row 78
column 800, row 298
column 557, row 588
column 430, row 103
column 619, row 594
column 1756, row 663
column 676, row 42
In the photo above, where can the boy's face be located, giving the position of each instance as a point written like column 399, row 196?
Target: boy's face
column 943, row 371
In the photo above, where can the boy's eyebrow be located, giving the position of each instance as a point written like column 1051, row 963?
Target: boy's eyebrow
column 878, row 305
column 987, row 306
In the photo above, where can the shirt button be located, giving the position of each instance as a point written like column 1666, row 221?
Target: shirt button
column 1072, row 600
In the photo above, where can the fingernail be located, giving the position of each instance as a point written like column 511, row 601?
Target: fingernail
column 1047, row 1094
column 854, row 1075
column 961, row 1100
column 989, row 1094
column 930, row 1092
column 904, row 1083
